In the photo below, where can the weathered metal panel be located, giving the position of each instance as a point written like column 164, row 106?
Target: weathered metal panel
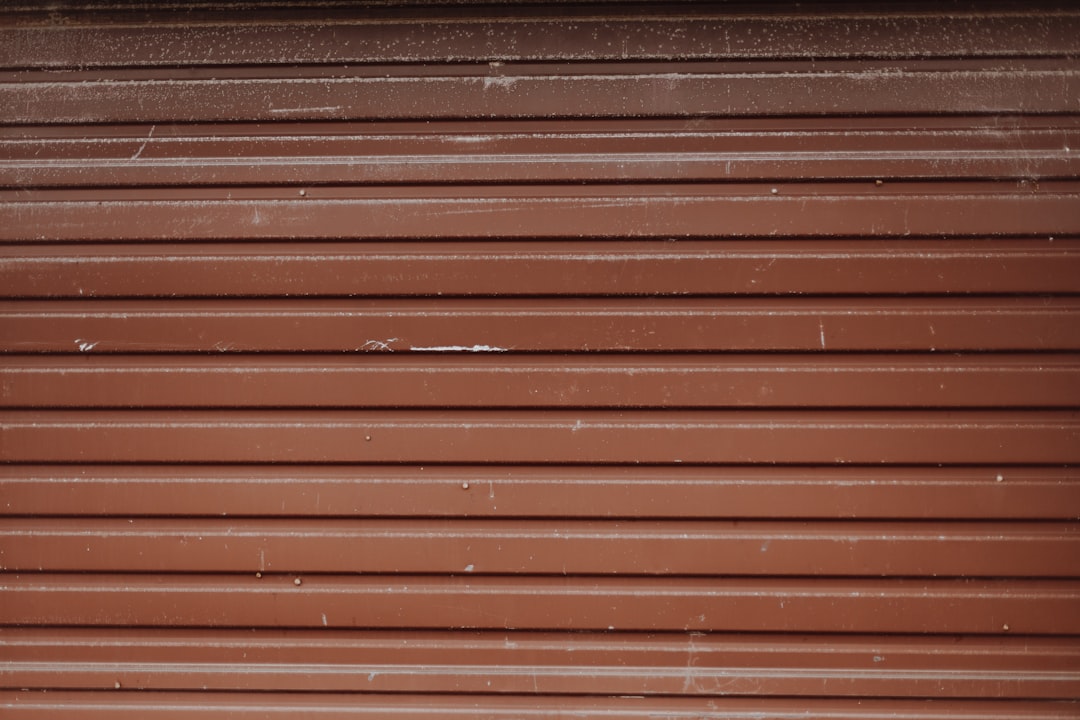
column 437, row 92
column 555, row 436
column 542, row 325
column 833, row 492
column 638, row 150
column 609, row 360
column 808, row 666
column 544, row 381
column 533, row 547
column 20, row 705
column 635, row 211
column 686, row 604
column 554, row 268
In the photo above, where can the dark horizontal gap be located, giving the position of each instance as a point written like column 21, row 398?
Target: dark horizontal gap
column 1028, row 185
column 749, row 412
column 511, row 59
column 488, row 464
column 90, row 8
column 420, row 241
column 586, row 410
column 929, row 703
column 593, row 357
column 961, row 125
column 662, row 240
column 576, row 519
column 480, row 66
column 234, row 355
column 657, row 578
column 612, row 181
column 661, row 634
column 418, row 244
column 571, row 633
column 957, row 296
column 573, row 117
column 841, row 522
column 779, row 634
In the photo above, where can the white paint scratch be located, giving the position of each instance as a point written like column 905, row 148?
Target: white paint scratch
column 458, row 348
column 383, row 345
column 84, row 345
column 498, row 81
column 821, row 331
column 324, row 621
column 324, row 108
column 144, row 143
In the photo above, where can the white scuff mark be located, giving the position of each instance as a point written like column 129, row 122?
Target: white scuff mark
column 324, row 108
column 371, row 676
column 144, row 143
column 84, row 345
column 383, row 345
column 458, row 348
column 324, row 621
column 821, row 332
column 498, row 81
column 469, row 567
column 690, row 676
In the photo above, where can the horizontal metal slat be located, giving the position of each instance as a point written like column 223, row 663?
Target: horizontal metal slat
column 566, row 34
column 901, row 437
column 705, row 604
column 521, row 662
column 712, row 548
column 374, row 213
column 219, row 706
column 479, row 380
column 548, row 325
column 547, row 91
column 552, row 151
column 671, row 492
column 671, row 267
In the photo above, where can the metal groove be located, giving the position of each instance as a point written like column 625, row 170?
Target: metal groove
column 830, row 492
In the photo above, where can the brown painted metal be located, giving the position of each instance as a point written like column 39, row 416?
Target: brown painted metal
column 525, row 662
column 387, row 34
column 434, row 92
column 678, row 492
column 504, row 360
column 545, row 325
column 636, row 547
column 518, row 437
column 551, row 151
column 716, row 604
column 24, row 705
column 542, row 381
column 524, row 268
column 663, row 211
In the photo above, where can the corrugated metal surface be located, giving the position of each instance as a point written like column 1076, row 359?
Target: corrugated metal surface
column 510, row 361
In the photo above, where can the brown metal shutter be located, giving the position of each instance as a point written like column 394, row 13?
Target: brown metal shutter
column 525, row 361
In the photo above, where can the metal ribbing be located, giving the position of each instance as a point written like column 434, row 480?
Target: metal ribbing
column 579, row 361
